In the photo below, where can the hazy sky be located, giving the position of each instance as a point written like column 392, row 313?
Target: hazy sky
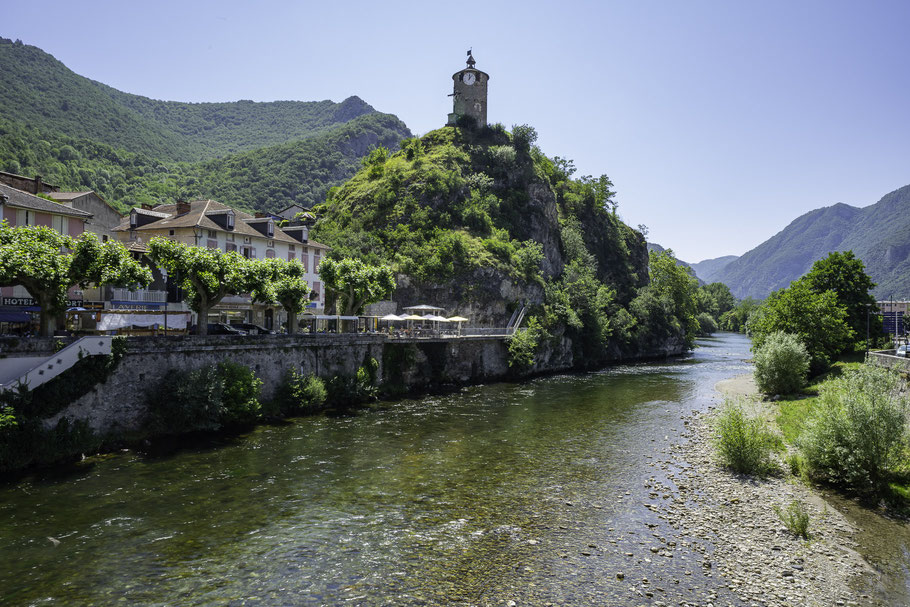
column 718, row 122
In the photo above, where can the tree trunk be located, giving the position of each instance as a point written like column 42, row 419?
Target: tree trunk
column 292, row 323
column 202, row 322
column 47, row 316
column 48, row 323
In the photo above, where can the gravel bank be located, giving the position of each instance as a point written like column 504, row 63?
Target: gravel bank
column 730, row 520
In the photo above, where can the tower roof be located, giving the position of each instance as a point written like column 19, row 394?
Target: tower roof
column 471, row 61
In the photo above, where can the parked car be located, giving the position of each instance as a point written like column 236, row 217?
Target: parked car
column 901, row 350
column 219, row 328
column 252, row 329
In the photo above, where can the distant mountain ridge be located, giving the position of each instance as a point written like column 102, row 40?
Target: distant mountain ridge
column 40, row 91
column 878, row 234
column 708, row 269
column 80, row 134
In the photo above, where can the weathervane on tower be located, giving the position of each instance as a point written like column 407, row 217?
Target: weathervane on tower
column 469, row 97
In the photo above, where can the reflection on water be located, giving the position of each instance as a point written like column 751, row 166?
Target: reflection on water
column 529, row 491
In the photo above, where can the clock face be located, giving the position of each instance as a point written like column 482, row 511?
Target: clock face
column 469, row 78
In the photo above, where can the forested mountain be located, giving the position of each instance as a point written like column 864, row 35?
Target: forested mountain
column 80, row 134
column 38, row 90
column 878, row 234
column 708, row 269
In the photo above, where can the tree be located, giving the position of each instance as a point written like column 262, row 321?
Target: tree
column 816, row 318
column 48, row 264
column 355, row 283
column 673, row 281
column 283, row 282
column 845, row 275
column 715, row 299
column 207, row 275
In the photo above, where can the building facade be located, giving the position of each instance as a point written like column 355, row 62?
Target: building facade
column 210, row 224
column 19, row 208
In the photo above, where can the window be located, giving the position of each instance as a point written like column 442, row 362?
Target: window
column 270, row 253
column 230, row 220
column 230, row 247
column 303, row 260
column 291, row 255
column 270, row 229
column 104, row 238
column 230, row 238
column 290, row 247
column 271, row 243
column 133, row 221
column 317, row 289
column 213, row 234
column 170, row 232
column 211, row 244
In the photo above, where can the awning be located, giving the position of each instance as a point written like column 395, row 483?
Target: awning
column 15, row 317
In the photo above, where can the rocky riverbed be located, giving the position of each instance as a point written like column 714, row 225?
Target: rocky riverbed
column 730, row 520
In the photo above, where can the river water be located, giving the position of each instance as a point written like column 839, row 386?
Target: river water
column 529, row 492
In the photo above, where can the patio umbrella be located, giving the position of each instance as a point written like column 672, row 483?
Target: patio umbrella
column 391, row 318
column 458, row 319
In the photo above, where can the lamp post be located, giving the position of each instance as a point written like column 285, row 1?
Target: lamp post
column 868, row 311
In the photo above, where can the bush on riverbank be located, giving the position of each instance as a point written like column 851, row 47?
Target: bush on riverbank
column 300, row 394
column 857, row 437
column 781, row 364
column 210, row 398
column 743, row 442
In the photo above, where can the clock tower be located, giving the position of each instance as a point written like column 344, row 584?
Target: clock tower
column 469, row 99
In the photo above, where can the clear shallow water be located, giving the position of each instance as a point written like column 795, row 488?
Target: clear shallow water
column 531, row 492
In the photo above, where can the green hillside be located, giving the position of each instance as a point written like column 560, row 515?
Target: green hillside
column 878, row 234
column 39, row 91
column 267, row 179
column 480, row 221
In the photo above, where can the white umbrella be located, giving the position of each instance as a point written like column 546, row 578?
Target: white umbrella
column 458, row 319
column 391, row 318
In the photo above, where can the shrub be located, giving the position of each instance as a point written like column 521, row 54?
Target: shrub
column 706, row 324
column 301, row 393
column 206, row 399
column 858, row 431
column 781, row 364
column 795, row 518
column 743, row 443
column 523, row 346
column 240, row 394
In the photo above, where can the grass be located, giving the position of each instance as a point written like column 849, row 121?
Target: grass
column 795, row 410
column 795, row 519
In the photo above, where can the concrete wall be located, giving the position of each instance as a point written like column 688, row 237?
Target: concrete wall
column 405, row 365
column 887, row 359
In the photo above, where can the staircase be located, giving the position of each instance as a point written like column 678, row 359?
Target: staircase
column 517, row 317
column 32, row 371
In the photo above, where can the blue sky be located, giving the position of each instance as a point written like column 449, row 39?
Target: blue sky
column 718, row 122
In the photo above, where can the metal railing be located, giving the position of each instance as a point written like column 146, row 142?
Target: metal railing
column 139, row 295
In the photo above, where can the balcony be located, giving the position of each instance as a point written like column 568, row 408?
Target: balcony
column 139, row 296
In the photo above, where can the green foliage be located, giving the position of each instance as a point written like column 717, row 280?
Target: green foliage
column 37, row 89
column 743, row 442
column 858, row 434
column 356, row 284
column 240, row 395
column 781, row 364
column 523, row 345
column 675, row 286
column 845, row 275
column 736, row 318
column 301, row 394
column 48, row 263
column 281, row 281
column 714, row 299
column 816, row 318
column 795, row 518
column 523, row 138
column 346, row 391
column 208, row 275
column 706, row 324
column 206, row 399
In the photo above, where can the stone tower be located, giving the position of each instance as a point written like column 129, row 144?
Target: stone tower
column 470, row 95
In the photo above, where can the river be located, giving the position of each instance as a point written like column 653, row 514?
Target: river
column 527, row 492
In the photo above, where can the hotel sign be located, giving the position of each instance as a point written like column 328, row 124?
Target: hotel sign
column 25, row 302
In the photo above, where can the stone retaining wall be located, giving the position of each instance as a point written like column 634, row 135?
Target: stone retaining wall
column 887, row 359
